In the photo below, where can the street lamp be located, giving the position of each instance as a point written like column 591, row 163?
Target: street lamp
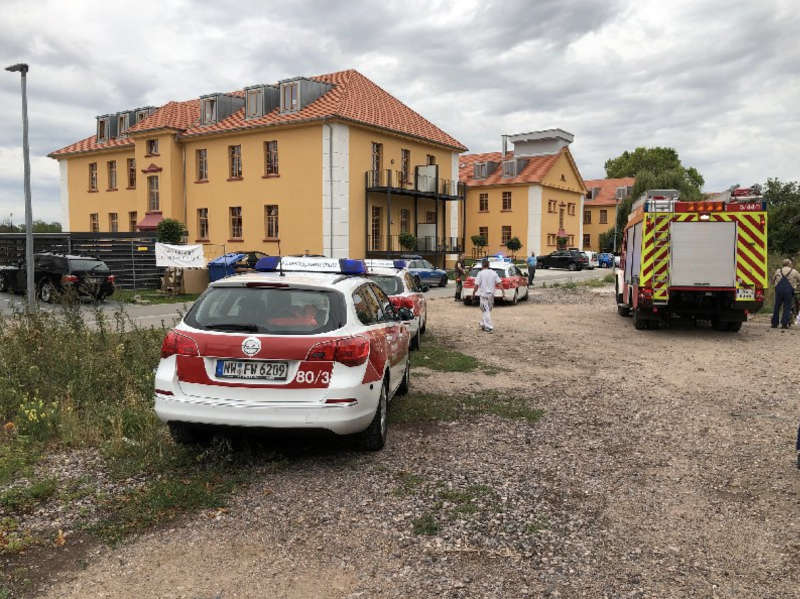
column 22, row 69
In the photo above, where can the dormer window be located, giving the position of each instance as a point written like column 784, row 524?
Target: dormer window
column 290, row 97
column 122, row 124
column 509, row 168
column 255, row 103
column 209, row 110
column 102, row 130
column 141, row 115
column 479, row 171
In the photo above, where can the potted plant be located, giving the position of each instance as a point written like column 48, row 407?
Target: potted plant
column 514, row 245
column 170, row 231
column 479, row 242
column 407, row 241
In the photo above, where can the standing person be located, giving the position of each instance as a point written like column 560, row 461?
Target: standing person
column 531, row 262
column 461, row 272
column 485, row 284
column 786, row 281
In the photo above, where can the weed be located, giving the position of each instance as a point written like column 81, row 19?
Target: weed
column 609, row 278
column 435, row 356
column 534, row 528
column 19, row 499
column 17, row 458
column 11, row 539
column 570, row 284
column 407, row 483
column 426, row 525
column 431, row 408
column 152, row 296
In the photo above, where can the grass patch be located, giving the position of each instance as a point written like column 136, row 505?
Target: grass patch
column 416, row 408
column 534, row 528
column 609, row 278
column 435, row 356
column 465, row 501
column 152, row 296
column 407, row 483
column 24, row 499
column 426, row 525
column 16, row 458
column 12, row 540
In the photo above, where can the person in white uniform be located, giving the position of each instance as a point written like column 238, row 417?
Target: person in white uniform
column 485, row 284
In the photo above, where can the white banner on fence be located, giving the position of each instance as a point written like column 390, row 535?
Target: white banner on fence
column 184, row 256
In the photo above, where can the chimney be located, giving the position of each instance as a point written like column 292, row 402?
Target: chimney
column 540, row 143
column 504, row 139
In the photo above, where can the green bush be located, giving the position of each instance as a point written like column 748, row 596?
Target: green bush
column 407, row 241
column 170, row 231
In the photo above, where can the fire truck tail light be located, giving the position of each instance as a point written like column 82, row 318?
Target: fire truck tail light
column 759, row 294
column 351, row 351
column 177, row 344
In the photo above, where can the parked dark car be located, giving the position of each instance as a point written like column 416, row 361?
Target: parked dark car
column 569, row 259
column 57, row 274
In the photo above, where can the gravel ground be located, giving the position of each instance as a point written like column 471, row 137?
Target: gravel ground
column 663, row 467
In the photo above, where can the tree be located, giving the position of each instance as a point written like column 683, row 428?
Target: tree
column 514, row 244
column 40, row 226
column 479, row 242
column 606, row 241
column 407, row 241
column 783, row 208
column 170, row 231
column 654, row 168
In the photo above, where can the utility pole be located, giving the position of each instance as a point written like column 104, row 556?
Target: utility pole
column 22, row 69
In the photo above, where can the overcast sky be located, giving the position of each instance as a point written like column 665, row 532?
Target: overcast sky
column 717, row 80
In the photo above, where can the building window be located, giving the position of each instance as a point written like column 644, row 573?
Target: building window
column 375, row 227
column 405, row 167
column 479, row 170
column 604, row 217
column 94, row 223
column 430, row 217
column 270, row 158
column 112, row 175
column 131, row 173
column 113, row 222
column 255, row 100
column 289, row 97
column 235, row 162
column 483, row 202
column 271, row 221
column 571, row 240
column 551, row 239
column 141, row 115
column 506, row 200
column 405, row 220
column 102, row 130
column 377, row 161
column 202, row 165
column 209, row 110
column 122, row 125
column 93, row 176
column 587, row 240
column 484, row 232
column 505, row 234
column 430, row 159
column 587, row 217
column 202, row 223
column 571, row 209
column 152, row 147
column 561, row 218
column 133, row 220
column 551, row 206
column 152, row 193
column 236, row 222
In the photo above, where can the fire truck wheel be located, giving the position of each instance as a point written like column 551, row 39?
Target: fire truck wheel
column 623, row 310
column 640, row 323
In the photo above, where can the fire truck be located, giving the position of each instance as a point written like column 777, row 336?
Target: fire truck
column 703, row 260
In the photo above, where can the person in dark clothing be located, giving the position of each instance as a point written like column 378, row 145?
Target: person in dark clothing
column 785, row 281
column 461, row 272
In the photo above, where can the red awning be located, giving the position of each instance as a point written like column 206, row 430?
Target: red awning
column 150, row 221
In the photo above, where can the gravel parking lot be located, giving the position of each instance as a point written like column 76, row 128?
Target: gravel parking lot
column 663, row 466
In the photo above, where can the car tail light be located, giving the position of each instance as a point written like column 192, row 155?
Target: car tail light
column 68, row 279
column 506, row 284
column 470, row 282
column 111, row 278
column 351, row 351
column 399, row 301
column 177, row 344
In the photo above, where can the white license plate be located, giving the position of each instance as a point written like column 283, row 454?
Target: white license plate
column 745, row 294
column 252, row 369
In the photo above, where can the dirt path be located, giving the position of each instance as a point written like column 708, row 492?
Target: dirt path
column 663, row 467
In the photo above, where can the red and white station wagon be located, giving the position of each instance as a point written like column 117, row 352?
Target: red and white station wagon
column 513, row 286
column 403, row 291
column 304, row 343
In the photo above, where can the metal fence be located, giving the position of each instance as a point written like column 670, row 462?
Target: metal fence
column 130, row 256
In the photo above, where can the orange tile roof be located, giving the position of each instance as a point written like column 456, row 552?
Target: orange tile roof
column 534, row 171
column 608, row 190
column 353, row 98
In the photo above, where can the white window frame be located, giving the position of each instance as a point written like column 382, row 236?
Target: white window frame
column 284, row 87
column 214, row 110
column 104, row 125
column 479, row 170
column 123, row 122
column 509, row 168
column 258, row 94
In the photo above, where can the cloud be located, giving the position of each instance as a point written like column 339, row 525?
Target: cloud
column 716, row 80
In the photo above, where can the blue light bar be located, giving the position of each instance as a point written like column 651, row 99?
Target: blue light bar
column 352, row 267
column 399, row 263
column 268, row 263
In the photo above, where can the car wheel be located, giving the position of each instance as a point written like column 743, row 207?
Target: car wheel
column 405, row 384
column 424, row 326
column 373, row 438
column 515, row 298
column 527, row 295
column 3, row 284
column 573, row 266
column 414, row 345
column 47, row 292
column 184, row 433
column 443, row 282
column 735, row 326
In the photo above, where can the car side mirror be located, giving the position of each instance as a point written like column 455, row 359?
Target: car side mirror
column 405, row 314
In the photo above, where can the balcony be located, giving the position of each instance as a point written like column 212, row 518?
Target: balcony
column 427, row 246
column 394, row 181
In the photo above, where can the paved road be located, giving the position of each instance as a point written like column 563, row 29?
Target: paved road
column 156, row 314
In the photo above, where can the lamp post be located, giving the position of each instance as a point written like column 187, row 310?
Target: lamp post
column 22, row 69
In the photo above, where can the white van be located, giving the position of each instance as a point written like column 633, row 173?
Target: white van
column 593, row 262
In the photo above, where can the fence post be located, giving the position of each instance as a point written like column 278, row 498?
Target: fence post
column 133, row 265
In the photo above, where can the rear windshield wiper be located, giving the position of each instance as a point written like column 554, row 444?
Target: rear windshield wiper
column 249, row 328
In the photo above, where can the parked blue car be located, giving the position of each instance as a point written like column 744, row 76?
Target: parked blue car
column 605, row 260
column 428, row 274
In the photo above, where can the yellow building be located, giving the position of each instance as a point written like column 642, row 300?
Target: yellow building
column 533, row 192
column 328, row 165
column 600, row 208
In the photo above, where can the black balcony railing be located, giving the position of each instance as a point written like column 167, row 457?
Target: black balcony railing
column 391, row 243
column 400, row 182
